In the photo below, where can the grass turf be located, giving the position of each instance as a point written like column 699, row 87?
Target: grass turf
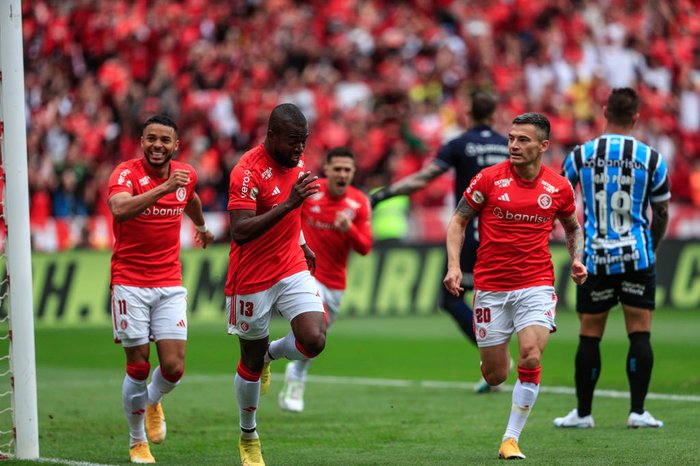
column 351, row 421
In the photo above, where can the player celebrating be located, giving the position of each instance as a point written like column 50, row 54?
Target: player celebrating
column 517, row 202
column 267, row 269
column 335, row 221
column 147, row 197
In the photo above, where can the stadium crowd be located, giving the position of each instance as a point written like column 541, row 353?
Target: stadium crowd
column 390, row 79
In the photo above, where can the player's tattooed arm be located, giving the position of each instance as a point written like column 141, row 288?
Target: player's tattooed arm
column 574, row 236
column 465, row 211
column 659, row 222
column 455, row 240
column 574, row 244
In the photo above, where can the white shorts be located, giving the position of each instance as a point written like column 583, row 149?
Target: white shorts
column 249, row 315
column 498, row 314
column 141, row 313
column 331, row 299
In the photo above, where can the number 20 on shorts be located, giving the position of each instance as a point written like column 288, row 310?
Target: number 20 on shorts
column 482, row 315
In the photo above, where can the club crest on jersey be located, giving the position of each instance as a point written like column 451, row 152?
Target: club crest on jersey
column 477, row 197
column 254, row 193
column 181, row 193
column 544, row 201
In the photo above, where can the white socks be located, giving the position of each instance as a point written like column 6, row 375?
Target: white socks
column 248, row 397
column 159, row 386
column 134, row 397
column 524, row 397
column 286, row 348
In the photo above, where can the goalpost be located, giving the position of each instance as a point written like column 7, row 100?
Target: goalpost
column 18, row 246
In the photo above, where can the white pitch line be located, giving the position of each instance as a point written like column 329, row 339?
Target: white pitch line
column 68, row 462
column 470, row 386
column 378, row 382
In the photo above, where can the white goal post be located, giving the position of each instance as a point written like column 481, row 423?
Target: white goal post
column 18, row 246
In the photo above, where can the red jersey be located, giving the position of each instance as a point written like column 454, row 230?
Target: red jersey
column 259, row 183
column 331, row 245
column 147, row 247
column 515, row 219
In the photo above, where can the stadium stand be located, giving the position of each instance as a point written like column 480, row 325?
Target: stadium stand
column 387, row 78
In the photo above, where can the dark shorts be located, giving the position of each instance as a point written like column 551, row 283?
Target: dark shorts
column 601, row 292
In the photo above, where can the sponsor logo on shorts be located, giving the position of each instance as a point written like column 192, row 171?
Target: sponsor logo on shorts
column 633, row 288
column 602, row 295
column 182, row 323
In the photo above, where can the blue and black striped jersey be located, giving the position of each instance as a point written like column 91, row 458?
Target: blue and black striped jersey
column 619, row 177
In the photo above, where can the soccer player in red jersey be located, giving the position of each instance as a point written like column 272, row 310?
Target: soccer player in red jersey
column 268, row 270
column 147, row 197
column 517, row 202
column 335, row 221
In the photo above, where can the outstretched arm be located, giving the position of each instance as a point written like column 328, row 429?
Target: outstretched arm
column 409, row 184
column 659, row 222
column 574, row 244
column 455, row 239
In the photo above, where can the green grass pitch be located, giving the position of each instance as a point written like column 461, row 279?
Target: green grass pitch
column 387, row 391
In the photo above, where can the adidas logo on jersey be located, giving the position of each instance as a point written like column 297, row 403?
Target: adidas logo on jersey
column 504, row 197
column 275, row 191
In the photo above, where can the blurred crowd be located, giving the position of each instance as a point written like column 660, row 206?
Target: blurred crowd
column 390, row 79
